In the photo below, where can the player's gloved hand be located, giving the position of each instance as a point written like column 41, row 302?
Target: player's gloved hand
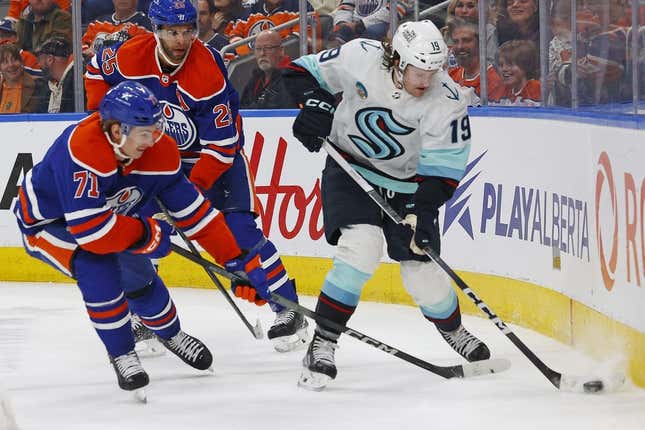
column 423, row 235
column 248, row 265
column 315, row 119
column 155, row 242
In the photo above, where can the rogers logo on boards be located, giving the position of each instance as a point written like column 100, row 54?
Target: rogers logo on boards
column 605, row 180
column 608, row 218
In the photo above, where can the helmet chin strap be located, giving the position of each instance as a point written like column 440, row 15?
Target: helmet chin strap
column 117, row 146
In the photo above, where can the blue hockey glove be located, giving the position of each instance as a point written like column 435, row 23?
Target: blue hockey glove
column 315, row 119
column 155, row 242
column 248, row 265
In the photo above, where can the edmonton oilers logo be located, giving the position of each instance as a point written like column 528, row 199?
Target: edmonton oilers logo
column 124, row 200
column 179, row 126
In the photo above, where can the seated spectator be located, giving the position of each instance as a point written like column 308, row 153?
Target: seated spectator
column 8, row 35
column 467, row 10
column 518, row 20
column 264, row 15
column 224, row 15
column 518, row 66
column 465, row 37
column 19, row 91
column 265, row 89
column 365, row 18
column 102, row 33
column 45, row 20
column 19, row 7
column 125, row 11
column 55, row 58
column 205, row 11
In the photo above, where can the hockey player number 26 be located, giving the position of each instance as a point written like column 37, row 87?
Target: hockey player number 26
column 86, row 180
column 462, row 125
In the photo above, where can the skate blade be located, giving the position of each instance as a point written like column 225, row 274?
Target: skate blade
column 291, row 343
column 150, row 348
column 141, row 396
column 313, row 381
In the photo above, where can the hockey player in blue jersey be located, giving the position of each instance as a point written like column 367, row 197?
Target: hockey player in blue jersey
column 78, row 210
column 201, row 110
column 403, row 124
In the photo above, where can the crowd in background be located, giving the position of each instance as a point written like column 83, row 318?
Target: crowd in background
column 37, row 67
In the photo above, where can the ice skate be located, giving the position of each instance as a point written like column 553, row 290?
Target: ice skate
column 467, row 345
column 147, row 344
column 319, row 366
column 191, row 350
column 130, row 374
column 289, row 331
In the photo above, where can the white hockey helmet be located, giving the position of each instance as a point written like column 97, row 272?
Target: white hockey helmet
column 420, row 44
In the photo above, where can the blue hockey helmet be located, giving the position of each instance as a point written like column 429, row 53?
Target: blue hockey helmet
column 172, row 12
column 131, row 104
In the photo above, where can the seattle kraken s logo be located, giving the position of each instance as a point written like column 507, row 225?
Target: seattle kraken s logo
column 377, row 126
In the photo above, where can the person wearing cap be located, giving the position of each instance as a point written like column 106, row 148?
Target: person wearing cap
column 55, row 58
column 19, row 92
column 45, row 20
column 8, row 35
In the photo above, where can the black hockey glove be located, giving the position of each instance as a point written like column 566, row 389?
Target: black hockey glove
column 432, row 193
column 314, row 121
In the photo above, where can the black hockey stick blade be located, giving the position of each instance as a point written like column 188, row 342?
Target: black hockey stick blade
column 255, row 330
column 560, row 381
column 466, row 370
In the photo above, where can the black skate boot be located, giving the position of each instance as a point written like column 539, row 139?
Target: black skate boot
column 467, row 345
column 319, row 364
column 191, row 350
column 147, row 344
column 129, row 372
column 289, row 331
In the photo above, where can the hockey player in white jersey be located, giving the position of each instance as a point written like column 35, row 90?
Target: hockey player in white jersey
column 403, row 124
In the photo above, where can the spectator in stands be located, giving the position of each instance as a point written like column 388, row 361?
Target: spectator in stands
column 19, row 91
column 226, row 12
column 465, row 37
column 206, row 10
column 55, row 58
column 365, row 18
column 18, row 7
column 518, row 66
column 125, row 11
column 467, row 10
column 8, row 35
column 265, row 89
column 45, row 20
column 518, row 19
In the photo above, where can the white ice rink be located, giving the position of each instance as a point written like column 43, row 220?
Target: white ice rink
column 58, row 377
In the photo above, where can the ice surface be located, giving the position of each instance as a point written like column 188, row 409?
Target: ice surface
column 58, row 376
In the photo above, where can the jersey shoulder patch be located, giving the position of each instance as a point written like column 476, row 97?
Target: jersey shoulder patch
column 88, row 147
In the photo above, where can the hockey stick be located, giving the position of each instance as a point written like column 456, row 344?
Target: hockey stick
column 559, row 380
column 256, row 330
column 458, row 371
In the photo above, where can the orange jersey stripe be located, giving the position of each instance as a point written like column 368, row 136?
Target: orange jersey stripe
column 23, row 206
column 61, row 255
column 80, row 228
column 196, row 216
column 108, row 314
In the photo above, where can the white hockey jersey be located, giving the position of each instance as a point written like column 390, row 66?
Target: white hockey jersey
column 391, row 134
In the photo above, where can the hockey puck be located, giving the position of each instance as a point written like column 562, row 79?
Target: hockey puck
column 593, row 386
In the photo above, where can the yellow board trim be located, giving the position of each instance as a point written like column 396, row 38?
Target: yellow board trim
column 529, row 305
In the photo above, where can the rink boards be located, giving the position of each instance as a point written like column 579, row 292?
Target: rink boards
column 547, row 226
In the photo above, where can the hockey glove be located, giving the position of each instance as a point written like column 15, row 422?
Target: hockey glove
column 431, row 194
column 155, row 242
column 315, row 119
column 249, row 266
